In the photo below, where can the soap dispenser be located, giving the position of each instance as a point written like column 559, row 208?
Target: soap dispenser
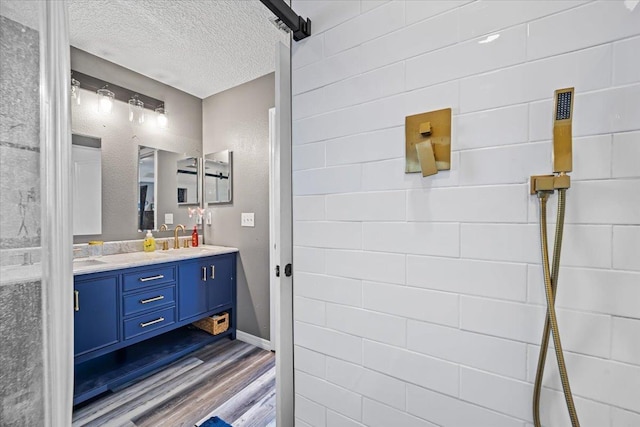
column 149, row 244
column 194, row 236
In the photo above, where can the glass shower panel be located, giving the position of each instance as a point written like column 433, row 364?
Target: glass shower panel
column 22, row 385
column 36, row 277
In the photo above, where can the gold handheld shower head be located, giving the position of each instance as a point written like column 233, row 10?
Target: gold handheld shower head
column 562, row 118
column 543, row 186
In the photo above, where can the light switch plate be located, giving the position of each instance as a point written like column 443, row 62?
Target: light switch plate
column 208, row 218
column 247, row 219
column 168, row 218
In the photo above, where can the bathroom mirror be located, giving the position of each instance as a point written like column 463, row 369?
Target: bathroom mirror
column 166, row 182
column 147, row 214
column 218, row 177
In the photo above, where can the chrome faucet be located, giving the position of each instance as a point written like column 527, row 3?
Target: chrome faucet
column 176, row 242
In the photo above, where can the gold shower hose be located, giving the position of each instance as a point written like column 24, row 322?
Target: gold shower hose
column 551, row 323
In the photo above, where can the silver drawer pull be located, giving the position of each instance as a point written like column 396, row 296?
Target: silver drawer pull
column 147, row 301
column 204, row 274
column 76, row 301
column 146, row 279
column 153, row 322
column 213, row 271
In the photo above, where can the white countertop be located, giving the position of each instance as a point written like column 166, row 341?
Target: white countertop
column 29, row 273
column 14, row 274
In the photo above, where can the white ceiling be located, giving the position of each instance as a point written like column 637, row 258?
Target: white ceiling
column 201, row 47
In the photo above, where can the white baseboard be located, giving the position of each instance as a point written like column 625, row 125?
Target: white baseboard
column 253, row 340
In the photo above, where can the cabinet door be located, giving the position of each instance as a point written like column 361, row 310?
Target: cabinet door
column 192, row 290
column 95, row 314
column 219, row 281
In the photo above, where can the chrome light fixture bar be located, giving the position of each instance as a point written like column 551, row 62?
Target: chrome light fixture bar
column 119, row 93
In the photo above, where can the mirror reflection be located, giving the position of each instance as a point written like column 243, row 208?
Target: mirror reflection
column 187, row 181
column 86, row 155
column 166, row 181
column 218, row 177
column 147, row 160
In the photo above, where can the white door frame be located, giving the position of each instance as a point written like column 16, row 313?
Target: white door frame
column 57, row 226
column 274, row 231
column 56, row 214
column 283, row 209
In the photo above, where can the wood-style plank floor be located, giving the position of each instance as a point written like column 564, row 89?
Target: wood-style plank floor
column 229, row 379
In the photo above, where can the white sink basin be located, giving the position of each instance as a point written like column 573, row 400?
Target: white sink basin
column 136, row 256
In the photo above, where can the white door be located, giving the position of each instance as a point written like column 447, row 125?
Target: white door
column 284, row 304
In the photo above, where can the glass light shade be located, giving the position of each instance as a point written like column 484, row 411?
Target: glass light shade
column 136, row 110
column 106, row 101
column 161, row 118
column 75, row 91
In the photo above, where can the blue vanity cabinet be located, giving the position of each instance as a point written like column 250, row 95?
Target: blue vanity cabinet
column 192, row 288
column 96, row 320
column 220, row 282
column 135, row 320
column 205, row 285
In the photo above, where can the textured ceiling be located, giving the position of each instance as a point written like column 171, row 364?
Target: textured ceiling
column 201, row 47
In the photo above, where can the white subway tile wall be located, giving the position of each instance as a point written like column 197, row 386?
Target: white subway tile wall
column 419, row 301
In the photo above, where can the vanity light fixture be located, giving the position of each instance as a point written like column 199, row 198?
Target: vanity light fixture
column 106, row 100
column 75, row 91
column 136, row 110
column 109, row 92
column 161, row 117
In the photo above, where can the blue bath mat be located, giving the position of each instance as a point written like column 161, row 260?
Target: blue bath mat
column 215, row 422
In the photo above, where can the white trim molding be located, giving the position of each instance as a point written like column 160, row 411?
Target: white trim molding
column 57, row 231
column 253, row 340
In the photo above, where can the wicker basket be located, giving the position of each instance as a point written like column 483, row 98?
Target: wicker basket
column 215, row 324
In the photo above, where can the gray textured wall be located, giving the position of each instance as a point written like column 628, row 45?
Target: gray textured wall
column 120, row 140
column 238, row 119
column 21, row 382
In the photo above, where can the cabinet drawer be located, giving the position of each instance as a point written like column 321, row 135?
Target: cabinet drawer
column 151, row 277
column 149, row 300
column 149, row 322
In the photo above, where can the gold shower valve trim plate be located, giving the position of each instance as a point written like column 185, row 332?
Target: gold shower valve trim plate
column 428, row 129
